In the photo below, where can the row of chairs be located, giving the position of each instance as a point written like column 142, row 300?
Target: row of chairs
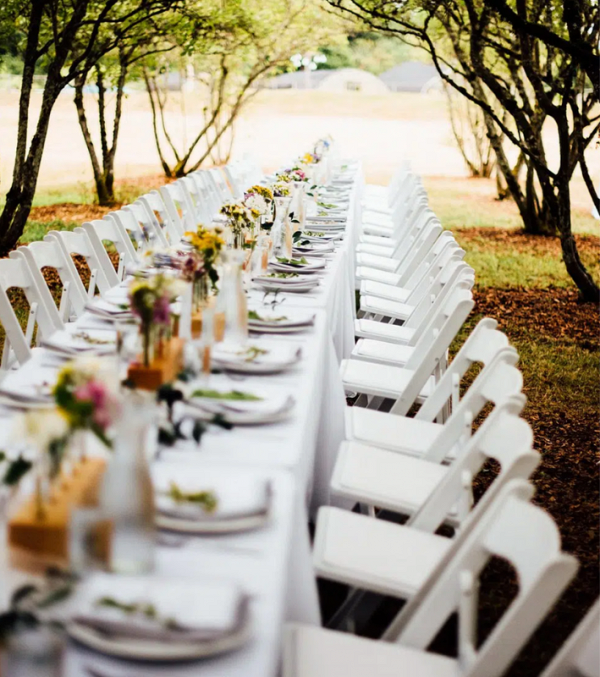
column 417, row 437
column 160, row 218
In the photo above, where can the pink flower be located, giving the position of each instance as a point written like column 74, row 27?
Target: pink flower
column 102, row 401
column 162, row 310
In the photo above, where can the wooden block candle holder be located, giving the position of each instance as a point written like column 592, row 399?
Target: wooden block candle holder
column 219, row 322
column 46, row 535
column 162, row 369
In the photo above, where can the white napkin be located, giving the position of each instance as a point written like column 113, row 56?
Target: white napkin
column 69, row 343
column 236, row 497
column 275, row 355
column 186, row 610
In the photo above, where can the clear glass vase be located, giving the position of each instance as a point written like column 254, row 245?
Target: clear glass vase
column 127, row 494
column 232, row 298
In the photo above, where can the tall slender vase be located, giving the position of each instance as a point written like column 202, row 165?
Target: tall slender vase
column 127, row 494
column 232, row 299
column 299, row 205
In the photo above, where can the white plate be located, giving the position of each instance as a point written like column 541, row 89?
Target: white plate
column 157, row 651
column 248, row 417
column 288, row 289
column 272, row 329
column 224, row 526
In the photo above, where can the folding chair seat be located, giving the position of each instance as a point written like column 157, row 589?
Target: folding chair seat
column 419, row 487
column 15, row 274
column 421, row 436
column 511, row 528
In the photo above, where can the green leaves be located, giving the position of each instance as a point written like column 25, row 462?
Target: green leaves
column 16, row 471
column 236, row 395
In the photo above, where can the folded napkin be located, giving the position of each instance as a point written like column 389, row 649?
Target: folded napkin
column 253, row 354
column 236, row 498
column 108, row 310
column 157, row 609
column 242, row 412
column 264, row 317
column 71, row 343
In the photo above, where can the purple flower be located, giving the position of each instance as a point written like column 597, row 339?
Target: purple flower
column 102, row 401
column 162, row 310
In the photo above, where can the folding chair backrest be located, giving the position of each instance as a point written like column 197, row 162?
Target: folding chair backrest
column 431, row 349
column 495, row 383
column 236, row 177
column 580, row 654
column 111, row 231
column 15, row 274
column 482, row 345
column 215, row 200
column 421, row 245
column 503, row 437
column 216, row 176
column 455, row 274
column 78, row 243
column 521, row 533
column 443, row 249
column 142, row 212
column 134, row 228
column 48, row 253
column 198, row 198
column 155, row 205
column 180, row 212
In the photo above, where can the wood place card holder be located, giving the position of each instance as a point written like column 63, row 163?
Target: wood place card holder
column 46, row 534
column 165, row 366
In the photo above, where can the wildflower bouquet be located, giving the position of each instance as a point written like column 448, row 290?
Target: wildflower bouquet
column 150, row 302
column 86, row 398
column 241, row 218
column 209, row 244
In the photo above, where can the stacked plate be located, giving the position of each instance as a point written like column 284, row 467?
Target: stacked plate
column 310, row 248
column 299, row 266
column 71, row 343
column 297, row 284
column 240, row 407
column 266, row 358
column 159, row 619
column 240, row 502
column 278, row 322
column 109, row 311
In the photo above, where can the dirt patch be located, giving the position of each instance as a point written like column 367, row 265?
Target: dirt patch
column 69, row 212
column 551, row 313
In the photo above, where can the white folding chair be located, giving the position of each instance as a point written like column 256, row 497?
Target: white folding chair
column 15, row 274
column 421, row 436
column 513, row 529
column 580, row 654
column 141, row 213
column 218, row 180
column 428, row 491
column 155, row 206
column 368, row 371
column 77, row 243
column 48, row 253
column 208, row 187
column 199, row 199
column 111, row 231
column 180, row 211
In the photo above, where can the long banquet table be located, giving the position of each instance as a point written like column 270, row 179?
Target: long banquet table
column 272, row 564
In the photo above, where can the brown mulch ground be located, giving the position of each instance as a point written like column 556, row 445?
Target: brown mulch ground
column 566, row 481
column 552, row 313
column 517, row 239
column 70, row 212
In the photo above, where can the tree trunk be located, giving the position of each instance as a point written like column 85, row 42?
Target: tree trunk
column 25, row 175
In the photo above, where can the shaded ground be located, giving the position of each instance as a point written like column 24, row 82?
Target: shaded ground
column 558, row 341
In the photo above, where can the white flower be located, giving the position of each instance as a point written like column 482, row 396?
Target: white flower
column 40, row 428
column 257, row 202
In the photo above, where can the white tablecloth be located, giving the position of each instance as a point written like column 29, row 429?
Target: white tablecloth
column 297, row 455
